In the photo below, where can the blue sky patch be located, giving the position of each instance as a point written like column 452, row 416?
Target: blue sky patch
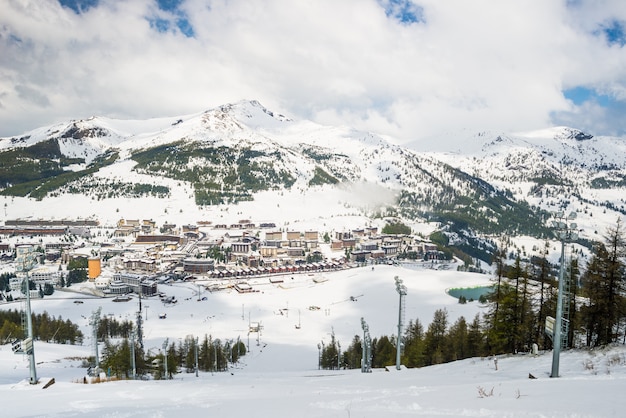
column 179, row 18
column 169, row 5
column 580, row 95
column 79, row 6
column 405, row 11
column 160, row 25
column 614, row 33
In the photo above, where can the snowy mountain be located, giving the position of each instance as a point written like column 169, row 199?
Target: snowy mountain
column 556, row 169
column 491, row 183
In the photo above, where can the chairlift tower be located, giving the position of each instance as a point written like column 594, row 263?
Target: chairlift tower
column 132, row 355
column 565, row 230
column 25, row 260
column 366, row 360
column 140, row 323
column 401, row 289
column 165, row 343
column 94, row 321
column 195, row 348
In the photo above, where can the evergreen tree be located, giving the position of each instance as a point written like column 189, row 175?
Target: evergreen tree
column 10, row 331
column 527, row 317
column 383, row 352
column 352, row 357
column 547, row 297
column 238, row 350
column 604, row 286
column 457, row 347
column 495, row 332
column 189, row 347
column 330, row 354
column 475, row 338
column 48, row 289
column 515, row 315
column 116, row 357
column 435, row 338
column 413, row 355
column 172, row 360
column 205, row 360
column 574, row 317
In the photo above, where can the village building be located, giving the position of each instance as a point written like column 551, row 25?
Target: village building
column 368, row 246
column 336, row 245
column 348, row 243
column 198, row 265
column 360, row 256
column 137, row 283
column 274, row 236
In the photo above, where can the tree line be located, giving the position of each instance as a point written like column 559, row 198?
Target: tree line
column 441, row 342
column 214, row 355
column 523, row 294
column 526, row 293
column 45, row 328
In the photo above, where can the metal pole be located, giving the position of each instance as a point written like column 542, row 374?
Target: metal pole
column 165, row 355
column 365, row 348
column 95, row 346
column 556, row 340
column 401, row 288
column 29, row 321
column 132, row 354
column 319, row 356
column 338, row 356
column 566, row 231
column 399, row 339
column 165, row 361
column 215, row 354
column 196, row 355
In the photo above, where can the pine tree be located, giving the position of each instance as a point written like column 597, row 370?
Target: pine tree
column 205, row 360
column 574, row 317
column 413, row 355
column 383, row 352
column 351, row 358
column 238, row 350
column 496, row 333
column 172, row 361
column 528, row 318
column 458, row 341
column 189, row 346
column 604, row 286
column 330, row 353
column 547, row 297
column 515, row 275
column 476, row 338
column 435, row 338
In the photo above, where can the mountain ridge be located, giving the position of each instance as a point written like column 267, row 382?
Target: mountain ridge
column 491, row 183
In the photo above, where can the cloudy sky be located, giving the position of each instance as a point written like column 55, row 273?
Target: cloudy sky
column 407, row 68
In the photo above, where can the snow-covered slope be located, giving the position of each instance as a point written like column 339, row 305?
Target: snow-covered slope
column 280, row 377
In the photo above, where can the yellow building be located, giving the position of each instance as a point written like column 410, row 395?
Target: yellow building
column 93, row 268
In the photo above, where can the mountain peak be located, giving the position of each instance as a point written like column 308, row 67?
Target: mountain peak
column 559, row 133
column 572, row 133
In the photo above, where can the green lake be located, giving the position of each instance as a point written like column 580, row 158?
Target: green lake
column 470, row 293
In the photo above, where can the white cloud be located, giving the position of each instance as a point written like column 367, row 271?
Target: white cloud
column 470, row 64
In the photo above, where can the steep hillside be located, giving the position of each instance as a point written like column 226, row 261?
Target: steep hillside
column 557, row 169
column 493, row 184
